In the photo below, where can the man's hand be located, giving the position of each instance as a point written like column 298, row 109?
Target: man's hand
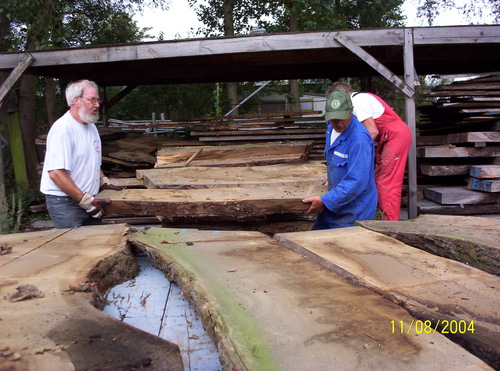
column 93, row 205
column 105, row 184
column 316, row 204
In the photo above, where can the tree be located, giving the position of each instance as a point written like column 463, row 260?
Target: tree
column 42, row 24
column 473, row 10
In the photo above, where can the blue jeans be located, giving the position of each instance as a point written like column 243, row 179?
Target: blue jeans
column 65, row 213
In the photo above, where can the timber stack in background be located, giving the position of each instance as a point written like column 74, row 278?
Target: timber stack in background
column 458, row 148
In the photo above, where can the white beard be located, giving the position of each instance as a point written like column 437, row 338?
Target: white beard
column 88, row 117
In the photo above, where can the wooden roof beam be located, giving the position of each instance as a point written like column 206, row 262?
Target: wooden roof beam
column 374, row 63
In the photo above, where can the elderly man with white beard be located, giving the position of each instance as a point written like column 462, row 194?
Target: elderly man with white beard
column 72, row 174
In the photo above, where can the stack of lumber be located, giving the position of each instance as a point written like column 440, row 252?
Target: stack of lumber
column 292, row 302
column 261, row 183
column 460, row 130
column 253, row 128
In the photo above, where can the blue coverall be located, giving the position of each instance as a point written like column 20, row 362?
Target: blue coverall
column 352, row 194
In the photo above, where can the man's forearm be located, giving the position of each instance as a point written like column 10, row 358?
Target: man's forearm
column 62, row 179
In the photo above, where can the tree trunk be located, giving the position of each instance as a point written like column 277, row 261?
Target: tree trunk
column 27, row 122
column 232, row 89
column 294, row 84
column 51, row 101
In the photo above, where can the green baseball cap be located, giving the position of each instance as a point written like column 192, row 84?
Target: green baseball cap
column 338, row 106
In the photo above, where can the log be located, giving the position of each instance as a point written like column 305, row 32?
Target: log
column 459, row 196
column 241, row 176
column 431, row 288
column 471, row 240
column 235, row 155
column 58, row 326
column 233, row 203
column 268, row 308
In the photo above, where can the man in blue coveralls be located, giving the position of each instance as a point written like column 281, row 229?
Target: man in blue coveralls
column 349, row 152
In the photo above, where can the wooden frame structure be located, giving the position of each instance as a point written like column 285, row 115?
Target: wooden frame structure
column 327, row 54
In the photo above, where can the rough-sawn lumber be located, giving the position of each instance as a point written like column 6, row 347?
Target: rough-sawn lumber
column 435, row 289
column 234, row 203
column 471, row 240
column 269, row 308
column 60, row 273
column 240, row 176
column 235, row 155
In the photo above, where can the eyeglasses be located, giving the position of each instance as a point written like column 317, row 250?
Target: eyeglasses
column 92, row 100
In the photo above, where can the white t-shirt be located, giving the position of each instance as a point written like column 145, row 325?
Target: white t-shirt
column 75, row 148
column 366, row 106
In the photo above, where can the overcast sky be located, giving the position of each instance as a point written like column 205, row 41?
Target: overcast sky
column 178, row 21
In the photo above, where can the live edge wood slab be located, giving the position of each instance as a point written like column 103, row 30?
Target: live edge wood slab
column 233, row 203
column 468, row 239
column 63, row 274
column 270, row 308
column 432, row 288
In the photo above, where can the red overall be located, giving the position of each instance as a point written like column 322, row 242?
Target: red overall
column 394, row 140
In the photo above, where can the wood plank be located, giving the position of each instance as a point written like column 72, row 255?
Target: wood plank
column 61, row 329
column 452, row 151
column 235, row 155
column 127, row 182
column 233, row 203
column 425, row 206
column 484, row 185
column 244, row 176
column 430, row 287
column 485, row 171
column 455, row 138
column 459, row 196
column 468, row 239
column 283, row 137
column 444, row 170
column 264, row 315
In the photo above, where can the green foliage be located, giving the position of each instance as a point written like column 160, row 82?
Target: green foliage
column 15, row 205
column 474, row 11
column 43, row 24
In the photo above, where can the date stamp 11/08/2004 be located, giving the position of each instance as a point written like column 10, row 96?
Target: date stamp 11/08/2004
column 428, row 327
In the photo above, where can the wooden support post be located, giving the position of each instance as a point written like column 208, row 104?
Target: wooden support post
column 2, row 176
column 16, row 146
column 410, row 76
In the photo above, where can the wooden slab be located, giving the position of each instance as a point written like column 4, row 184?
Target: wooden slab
column 235, row 155
column 245, row 176
column 452, row 151
column 485, row 171
column 444, row 170
column 471, row 240
column 127, row 182
column 459, row 196
column 484, row 185
column 61, row 330
column 425, row 206
column 469, row 137
column 233, row 203
column 269, row 308
column 430, row 287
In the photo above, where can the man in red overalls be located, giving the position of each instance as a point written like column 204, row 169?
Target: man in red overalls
column 394, row 139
